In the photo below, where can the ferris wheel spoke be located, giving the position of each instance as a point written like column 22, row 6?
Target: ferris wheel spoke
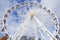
column 44, row 28
column 38, row 30
column 20, row 30
column 42, row 35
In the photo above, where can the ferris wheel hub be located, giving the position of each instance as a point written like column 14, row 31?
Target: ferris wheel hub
column 31, row 13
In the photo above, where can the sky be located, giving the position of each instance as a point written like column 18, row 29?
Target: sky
column 14, row 21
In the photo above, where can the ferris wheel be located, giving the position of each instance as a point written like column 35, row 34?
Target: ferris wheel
column 25, row 16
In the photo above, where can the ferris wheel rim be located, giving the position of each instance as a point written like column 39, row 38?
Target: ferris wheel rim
column 40, row 7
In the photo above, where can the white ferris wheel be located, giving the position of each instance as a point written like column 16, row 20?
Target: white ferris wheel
column 19, row 19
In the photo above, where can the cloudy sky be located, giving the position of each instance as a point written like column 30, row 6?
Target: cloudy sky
column 13, row 24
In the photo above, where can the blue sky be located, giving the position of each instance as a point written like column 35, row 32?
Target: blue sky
column 51, row 4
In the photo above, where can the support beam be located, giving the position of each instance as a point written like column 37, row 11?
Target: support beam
column 45, row 29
